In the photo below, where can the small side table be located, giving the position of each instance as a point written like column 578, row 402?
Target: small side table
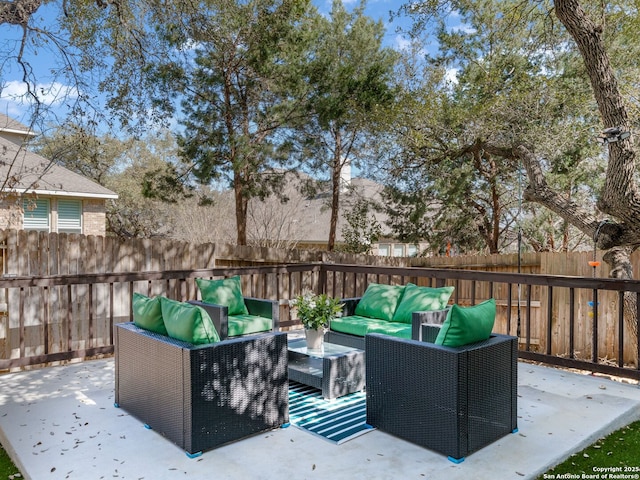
column 337, row 371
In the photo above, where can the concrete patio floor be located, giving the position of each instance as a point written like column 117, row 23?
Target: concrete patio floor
column 60, row 423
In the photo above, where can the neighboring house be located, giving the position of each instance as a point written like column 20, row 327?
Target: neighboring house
column 305, row 221
column 38, row 194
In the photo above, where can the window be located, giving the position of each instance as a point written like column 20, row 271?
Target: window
column 398, row 250
column 383, row 250
column 36, row 214
column 69, row 216
column 412, row 250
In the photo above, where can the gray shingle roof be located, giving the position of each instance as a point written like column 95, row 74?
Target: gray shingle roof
column 24, row 171
column 9, row 124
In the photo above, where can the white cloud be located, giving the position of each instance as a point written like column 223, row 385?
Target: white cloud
column 464, row 28
column 401, row 43
column 451, row 76
column 50, row 94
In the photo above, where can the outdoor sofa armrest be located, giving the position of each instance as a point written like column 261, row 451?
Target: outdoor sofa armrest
column 349, row 306
column 202, row 396
column 454, row 400
column 431, row 317
column 219, row 316
column 264, row 308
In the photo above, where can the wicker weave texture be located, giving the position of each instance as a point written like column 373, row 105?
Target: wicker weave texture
column 451, row 400
column 202, row 397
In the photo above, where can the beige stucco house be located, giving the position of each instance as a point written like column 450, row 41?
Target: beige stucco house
column 37, row 194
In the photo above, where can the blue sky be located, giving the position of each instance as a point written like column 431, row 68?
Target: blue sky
column 54, row 91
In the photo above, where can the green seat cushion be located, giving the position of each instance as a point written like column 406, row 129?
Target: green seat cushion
column 246, row 324
column 226, row 292
column 420, row 299
column 379, row 301
column 395, row 329
column 147, row 313
column 187, row 322
column 467, row 325
column 360, row 326
column 353, row 325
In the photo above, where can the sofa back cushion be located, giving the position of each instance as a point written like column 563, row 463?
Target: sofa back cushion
column 467, row 325
column 379, row 301
column 420, row 299
column 187, row 322
column 147, row 313
column 226, row 292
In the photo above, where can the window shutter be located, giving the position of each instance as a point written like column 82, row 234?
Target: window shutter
column 69, row 216
column 36, row 214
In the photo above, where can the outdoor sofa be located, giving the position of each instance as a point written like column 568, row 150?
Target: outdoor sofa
column 454, row 396
column 198, row 391
column 395, row 310
column 234, row 314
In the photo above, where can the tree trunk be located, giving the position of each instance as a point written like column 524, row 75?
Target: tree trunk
column 241, row 209
column 336, row 171
column 619, row 197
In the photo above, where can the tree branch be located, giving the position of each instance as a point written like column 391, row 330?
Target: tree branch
column 620, row 197
column 610, row 234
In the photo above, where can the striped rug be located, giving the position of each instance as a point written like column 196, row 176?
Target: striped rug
column 337, row 420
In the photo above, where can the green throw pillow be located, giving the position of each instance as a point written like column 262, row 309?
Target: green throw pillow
column 467, row 325
column 379, row 301
column 187, row 322
column 420, row 299
column 226, row 292
column 147, row 313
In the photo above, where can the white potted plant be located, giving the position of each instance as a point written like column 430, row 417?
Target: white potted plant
column 315, row 312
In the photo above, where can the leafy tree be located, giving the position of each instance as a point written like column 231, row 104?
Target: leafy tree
column 515, row 83
column 77, row 148
column 618, row 199
column 362, row 228
column 239, row 95
column 349, row 78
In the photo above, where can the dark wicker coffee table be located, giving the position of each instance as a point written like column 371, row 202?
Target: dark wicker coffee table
column 337, row 371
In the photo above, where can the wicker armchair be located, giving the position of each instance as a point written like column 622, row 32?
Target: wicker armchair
column 454, row 400
column 202, row 396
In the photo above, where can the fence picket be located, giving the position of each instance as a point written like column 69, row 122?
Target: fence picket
column 46, row 325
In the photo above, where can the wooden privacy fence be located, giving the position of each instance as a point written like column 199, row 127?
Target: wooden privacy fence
column 61, row 317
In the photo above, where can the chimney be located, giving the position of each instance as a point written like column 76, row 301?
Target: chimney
column 345, row 176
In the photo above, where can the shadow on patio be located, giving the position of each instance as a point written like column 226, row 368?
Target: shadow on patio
column 60, row 423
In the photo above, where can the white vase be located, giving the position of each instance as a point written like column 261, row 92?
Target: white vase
column 315, row 339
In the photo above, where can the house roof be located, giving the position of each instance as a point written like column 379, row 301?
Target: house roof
column 22, row 171
column 309, row 216
column 9, row 125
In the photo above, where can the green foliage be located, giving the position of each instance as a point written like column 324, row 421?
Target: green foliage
column 518, row 81
column 147, row 180
column 348, row 82
column 78, row 148
column 7, row 468
column 362, row 228
column 238, row 96
column 619, row 449
column 315, row 311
